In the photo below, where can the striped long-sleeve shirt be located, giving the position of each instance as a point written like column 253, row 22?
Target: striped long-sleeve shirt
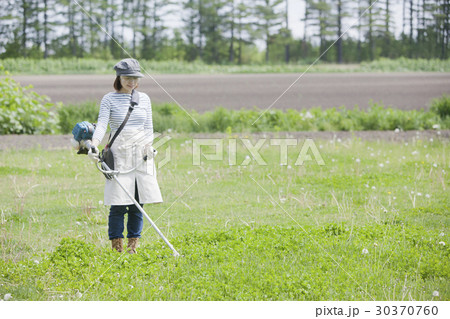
column 113, row 109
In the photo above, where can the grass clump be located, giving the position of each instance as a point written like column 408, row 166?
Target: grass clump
column 71, row 114
column 441, row 106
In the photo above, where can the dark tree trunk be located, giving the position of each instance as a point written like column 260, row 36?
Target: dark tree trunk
column 339, row 32
column 287, row 53
column 231, row 48
column 45, row 29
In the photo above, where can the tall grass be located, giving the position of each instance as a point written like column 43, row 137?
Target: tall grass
column 169, row 117
column 97, row 66
column 406, row 65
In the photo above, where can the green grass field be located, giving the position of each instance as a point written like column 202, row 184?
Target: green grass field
column 370, row 224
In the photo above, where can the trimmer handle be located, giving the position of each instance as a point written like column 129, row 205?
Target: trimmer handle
column 85, row 146
column 89, row 145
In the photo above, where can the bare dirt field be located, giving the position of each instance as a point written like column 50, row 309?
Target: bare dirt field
column 49, row 142
column 199, row 92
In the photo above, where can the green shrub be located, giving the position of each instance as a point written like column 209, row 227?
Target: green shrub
column 376, row 117
column 441, row 106
column 170, row 117
column 24, row 111
column 71, row 114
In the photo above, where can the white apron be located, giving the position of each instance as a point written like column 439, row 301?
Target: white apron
column 129, row 150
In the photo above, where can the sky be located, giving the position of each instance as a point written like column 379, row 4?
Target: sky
column 297, row 9
column 296, row 13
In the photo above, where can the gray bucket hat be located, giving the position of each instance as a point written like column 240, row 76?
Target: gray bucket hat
column 128, row 67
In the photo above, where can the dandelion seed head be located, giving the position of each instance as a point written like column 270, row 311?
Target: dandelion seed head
column 308, row 115
column 7, row 297
column 365, row 251
column 442, row 243
column 435, row 293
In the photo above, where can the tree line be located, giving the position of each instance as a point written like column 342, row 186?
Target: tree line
column 223, row 31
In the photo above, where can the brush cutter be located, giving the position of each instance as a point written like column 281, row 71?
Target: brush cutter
column 81, row 141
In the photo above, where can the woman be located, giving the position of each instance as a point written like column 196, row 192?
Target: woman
column 131, row 149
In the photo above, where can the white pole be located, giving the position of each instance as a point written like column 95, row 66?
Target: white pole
column 175, row 253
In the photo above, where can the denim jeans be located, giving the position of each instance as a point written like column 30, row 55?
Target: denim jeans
column 116, row 220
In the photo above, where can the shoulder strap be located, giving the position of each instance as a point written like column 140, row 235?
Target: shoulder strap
column 133, row 102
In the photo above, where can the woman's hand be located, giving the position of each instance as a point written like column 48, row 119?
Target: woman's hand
column 93, row 154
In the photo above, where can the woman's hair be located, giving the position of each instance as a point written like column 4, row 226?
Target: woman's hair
column 117, row 85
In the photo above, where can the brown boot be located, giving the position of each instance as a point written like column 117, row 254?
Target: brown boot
column 117, row 244
column 132, row 245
